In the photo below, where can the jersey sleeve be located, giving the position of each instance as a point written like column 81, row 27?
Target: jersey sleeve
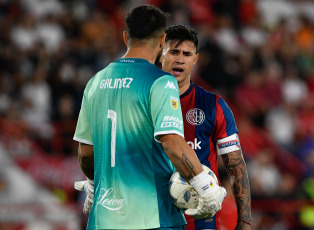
column 83, row 131
column 165, row 107
column 226, row 135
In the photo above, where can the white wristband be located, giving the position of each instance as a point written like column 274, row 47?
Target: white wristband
column 201, row 183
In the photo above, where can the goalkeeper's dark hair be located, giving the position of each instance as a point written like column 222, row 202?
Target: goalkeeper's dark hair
column 181, row 33
column 145, row 21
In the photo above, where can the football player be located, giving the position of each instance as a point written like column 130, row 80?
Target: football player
column 209, row 125
column 130, row 128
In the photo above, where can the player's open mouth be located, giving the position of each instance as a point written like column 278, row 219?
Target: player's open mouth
column 177, row 71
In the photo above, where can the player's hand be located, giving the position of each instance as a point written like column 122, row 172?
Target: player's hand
column 211, row 196
column 88, row 186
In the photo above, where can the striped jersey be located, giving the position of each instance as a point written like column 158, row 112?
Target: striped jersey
column 125, row 107
column 209, row 128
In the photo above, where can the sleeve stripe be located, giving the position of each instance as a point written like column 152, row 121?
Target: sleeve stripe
column 83, row 141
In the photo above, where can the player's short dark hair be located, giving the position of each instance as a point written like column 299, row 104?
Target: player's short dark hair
column 144, row 21
column 181, row 33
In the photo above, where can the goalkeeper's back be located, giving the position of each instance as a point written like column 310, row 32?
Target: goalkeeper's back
column 125, row 106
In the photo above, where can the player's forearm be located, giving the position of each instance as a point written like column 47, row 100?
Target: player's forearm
column 86, row 159
column 237, row 173
column 181, row 155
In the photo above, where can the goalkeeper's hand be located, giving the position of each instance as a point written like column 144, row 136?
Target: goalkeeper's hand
column 211, row 196
column 88, row 186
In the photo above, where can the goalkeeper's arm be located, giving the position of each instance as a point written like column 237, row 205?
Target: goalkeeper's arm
column 181, row 155
column 188, row 165
column 86, row 160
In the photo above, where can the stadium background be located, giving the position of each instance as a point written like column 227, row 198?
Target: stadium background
column 257, row 54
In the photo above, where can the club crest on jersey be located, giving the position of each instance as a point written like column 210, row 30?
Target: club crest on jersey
column 174, row 102
column 195, row 116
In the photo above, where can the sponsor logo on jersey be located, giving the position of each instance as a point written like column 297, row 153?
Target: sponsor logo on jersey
column 170, row 121
column 172, row 118
column 228, row 144
column 109, row 201
column 195, row 145
column 117, row 83
column 170, row 85
column 174, row 102
column 195, row 116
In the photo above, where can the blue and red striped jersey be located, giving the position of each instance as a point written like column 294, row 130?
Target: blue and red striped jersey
column 207, row 118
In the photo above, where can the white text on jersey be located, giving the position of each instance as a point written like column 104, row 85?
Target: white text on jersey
column 109, row 201
column 118, row 83
column 196, row 145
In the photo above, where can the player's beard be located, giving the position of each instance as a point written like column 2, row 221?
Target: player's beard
column 157, row 61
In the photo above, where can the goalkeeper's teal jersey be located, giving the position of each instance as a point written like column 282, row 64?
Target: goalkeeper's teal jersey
column 125, row 107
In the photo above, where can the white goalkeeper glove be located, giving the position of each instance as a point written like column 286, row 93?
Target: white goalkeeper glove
column 211, row 196
column 88, row 186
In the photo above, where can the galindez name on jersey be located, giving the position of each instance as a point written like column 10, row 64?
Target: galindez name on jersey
column 117, row 83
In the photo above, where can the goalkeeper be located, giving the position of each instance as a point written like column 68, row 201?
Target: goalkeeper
column 130, row 113
column 209, row 125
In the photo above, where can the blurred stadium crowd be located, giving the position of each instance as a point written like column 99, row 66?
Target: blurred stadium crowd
column 257, row 54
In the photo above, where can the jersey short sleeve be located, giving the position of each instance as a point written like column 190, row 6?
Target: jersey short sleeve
column 227, row 132
column 165, row 107
column 83, row 132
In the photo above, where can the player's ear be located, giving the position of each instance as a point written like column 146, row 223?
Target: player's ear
column 196, row 58
column 162, row 40
column 125, row 37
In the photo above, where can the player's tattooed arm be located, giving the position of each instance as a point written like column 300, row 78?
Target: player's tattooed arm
column 181, row 155
column 236, row 169
column 186, row 168
column 86, row 159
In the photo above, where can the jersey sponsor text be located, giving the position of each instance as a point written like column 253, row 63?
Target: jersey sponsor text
column 170, row 121
column 109, row 201
column 195, row 145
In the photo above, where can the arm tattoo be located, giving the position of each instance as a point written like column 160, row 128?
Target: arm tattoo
column 188, row 165
column 181, row 168
column 236, row 170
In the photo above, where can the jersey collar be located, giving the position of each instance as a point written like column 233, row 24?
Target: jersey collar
column 188, row 90
column 132, row 60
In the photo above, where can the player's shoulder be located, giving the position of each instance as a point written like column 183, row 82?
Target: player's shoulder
column 158, row 73
column 206, row 94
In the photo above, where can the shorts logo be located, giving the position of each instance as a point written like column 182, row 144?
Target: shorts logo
column 174, row 102
column 195, row 116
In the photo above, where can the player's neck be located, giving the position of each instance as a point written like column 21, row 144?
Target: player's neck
column 184, row 86
column 141, row 52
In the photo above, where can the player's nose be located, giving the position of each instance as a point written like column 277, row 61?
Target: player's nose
column 180, row 59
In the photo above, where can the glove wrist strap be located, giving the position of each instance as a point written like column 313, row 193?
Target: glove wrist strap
column 201, row 183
